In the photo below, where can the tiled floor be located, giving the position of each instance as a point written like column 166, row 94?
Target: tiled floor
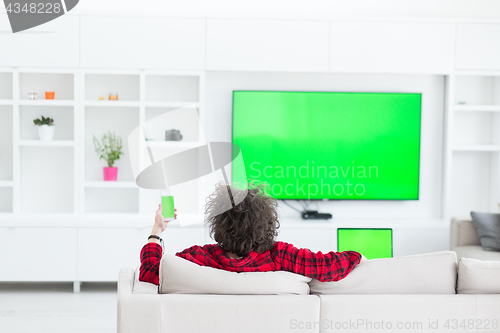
column 50, row 307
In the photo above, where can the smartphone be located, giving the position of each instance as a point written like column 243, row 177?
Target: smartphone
column 167, row 204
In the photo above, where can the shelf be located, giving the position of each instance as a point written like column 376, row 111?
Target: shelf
column 171, row 104
column 79, row 196
column 6, row 183
column 493, row 148
column 47, row 102
column 477, row 108
column 53, row 143
column 93, row 220
column 109, row 103
column 110, row 184
column 174, row 144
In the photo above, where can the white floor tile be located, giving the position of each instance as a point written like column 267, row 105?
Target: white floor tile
column 50, row 307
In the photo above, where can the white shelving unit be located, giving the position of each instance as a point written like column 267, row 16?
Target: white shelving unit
column 68, row 176
column 472, row 173
column 140, row 95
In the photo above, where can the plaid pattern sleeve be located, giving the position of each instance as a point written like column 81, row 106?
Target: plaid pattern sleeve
column 151, row 254
column 331, row 266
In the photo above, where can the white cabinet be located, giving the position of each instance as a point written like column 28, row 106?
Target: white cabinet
column 142, row 42
column 478, row 46
column 102, row 252
column 38, row 254
column 261, row 45
column 374, row 47
column 53, row 44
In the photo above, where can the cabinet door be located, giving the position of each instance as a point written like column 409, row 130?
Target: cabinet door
column 143, row 42
column 38, row 254
column 262, row 45
column 52, row 44
column 102, row 252
column 312, row 239
column 394, row 47
column 478, row 46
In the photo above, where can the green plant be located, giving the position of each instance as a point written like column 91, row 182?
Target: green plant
column 109, row 147
column 44, row 121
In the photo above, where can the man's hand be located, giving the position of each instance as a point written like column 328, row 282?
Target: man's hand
column 160, row 225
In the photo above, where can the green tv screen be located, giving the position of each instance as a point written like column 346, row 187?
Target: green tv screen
column 330, row 145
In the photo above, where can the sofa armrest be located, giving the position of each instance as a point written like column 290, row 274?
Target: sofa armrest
column 463, row 233
column 125, row 281
column 136, row 312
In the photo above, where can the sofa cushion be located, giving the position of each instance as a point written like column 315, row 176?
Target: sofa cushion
column 432, row 273
column 488, row 228
column 478, row 277
column 141, row 287
column 463, row 233
column 476, row 252
column 180, row 276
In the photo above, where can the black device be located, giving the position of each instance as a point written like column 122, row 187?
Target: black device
column 315, row 215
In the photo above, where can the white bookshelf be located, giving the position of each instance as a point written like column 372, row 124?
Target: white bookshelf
column 68, row 177
column 472, row 159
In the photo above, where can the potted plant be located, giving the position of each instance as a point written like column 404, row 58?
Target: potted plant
column 109, row 148
column 46, row 128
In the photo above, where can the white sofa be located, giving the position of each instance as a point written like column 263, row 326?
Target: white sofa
column 414, row 294
column 465, row 241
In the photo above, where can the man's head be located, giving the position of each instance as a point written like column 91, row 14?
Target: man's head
column 250, row 225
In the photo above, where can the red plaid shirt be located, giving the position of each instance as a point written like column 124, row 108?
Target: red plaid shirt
column 331, row 266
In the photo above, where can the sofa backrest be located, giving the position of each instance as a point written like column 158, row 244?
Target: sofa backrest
column 430, row 273
column 463, row 233
column 180, row 276
column 478, row 276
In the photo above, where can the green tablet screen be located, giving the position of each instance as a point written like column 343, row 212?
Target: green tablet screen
column 372, row 243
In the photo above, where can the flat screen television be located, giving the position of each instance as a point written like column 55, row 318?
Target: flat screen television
column 330, row 145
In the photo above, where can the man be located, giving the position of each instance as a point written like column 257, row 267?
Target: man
column 245, row 241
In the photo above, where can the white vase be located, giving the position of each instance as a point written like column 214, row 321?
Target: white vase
column 46, row 132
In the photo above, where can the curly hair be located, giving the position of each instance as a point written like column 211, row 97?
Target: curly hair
column 250, row 225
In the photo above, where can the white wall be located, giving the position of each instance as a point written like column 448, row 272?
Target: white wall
column 219, row 87
column 297, row 8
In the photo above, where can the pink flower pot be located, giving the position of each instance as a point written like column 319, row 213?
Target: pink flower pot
column 110, row 173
